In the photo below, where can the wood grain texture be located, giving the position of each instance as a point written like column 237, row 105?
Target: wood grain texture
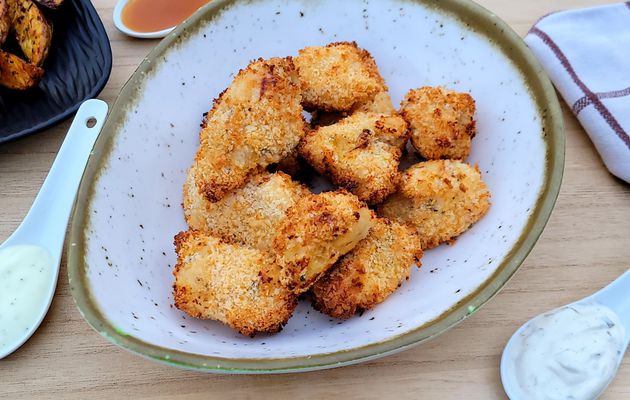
column 584, row 246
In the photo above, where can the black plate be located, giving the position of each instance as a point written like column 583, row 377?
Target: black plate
column 77, row 68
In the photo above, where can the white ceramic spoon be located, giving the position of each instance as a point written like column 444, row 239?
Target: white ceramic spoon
column 615, row 297
column 40, row 237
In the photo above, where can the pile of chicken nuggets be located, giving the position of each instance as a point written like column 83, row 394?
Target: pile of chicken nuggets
column 258, row 239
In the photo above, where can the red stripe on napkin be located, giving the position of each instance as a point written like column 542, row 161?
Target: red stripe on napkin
column 592, row 98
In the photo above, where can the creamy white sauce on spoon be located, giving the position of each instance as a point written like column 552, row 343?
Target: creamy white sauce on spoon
column 571, row 353
column 25, row 276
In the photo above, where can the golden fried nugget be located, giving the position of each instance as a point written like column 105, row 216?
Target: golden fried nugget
column 318, row 230
column 360, row 153
column 370, row 273
column 236, row 285
column 337, row 77
column 249, row 215
column 257, row 121
column 440, row 198
column 441, row 122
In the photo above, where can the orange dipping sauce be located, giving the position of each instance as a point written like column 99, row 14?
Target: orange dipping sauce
column 157, row 15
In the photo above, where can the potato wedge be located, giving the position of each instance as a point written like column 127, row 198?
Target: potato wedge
column 52, row 4
column 5, row 21
column 32, row 30
column 16, row 73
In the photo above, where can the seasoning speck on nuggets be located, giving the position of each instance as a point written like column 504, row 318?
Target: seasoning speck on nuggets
column 440, row 198
column 337, row 77
column 360, row 153
column 236, row 285
column 317, row 231
column 249, row 215
column 257, row 121
column 370, row 273
column 441, row 122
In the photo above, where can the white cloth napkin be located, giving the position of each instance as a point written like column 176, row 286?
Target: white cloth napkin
column 586, row 53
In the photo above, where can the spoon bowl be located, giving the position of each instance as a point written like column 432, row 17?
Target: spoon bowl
column 613, row 298
column 39, row 238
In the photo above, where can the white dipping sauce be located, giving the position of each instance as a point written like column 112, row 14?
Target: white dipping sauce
column 25, row 274
column 572, row 353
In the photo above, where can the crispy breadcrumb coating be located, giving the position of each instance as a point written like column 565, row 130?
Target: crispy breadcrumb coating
column 440, row 198
column 249, row 215
column 236, row 285
column 360, row 153
column 257, row 121
column 441, row 122
column 195, row 204
column 317, row 231
column 370, row 273
column 337, row 77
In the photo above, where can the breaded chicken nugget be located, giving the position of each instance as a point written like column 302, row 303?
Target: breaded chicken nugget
column 337, row 77
column 317, row 231
column 257, row 121
column 440, row 198
column 249, row 215
column 236, row 285
column 360, row 152
column 441, row 122
column 371, row 272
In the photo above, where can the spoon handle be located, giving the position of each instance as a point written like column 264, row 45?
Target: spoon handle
column 46, row 222
column 616, row 295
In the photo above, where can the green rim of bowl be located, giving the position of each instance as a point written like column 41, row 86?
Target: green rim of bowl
column 469, row 13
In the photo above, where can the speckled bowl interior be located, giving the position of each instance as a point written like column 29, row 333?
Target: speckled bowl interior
column 121, row 253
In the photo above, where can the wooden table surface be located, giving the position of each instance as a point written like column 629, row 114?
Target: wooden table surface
column 584, row 246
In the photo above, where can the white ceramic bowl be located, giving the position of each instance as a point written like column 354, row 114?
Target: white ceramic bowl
column 128, row 208
column 120, row 25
